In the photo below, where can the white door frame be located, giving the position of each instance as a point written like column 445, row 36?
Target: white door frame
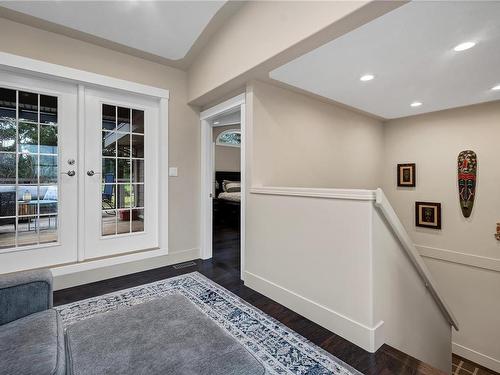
column 84, row 79
column 207, row 172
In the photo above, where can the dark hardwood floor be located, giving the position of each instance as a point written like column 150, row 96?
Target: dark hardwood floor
column 223, row 268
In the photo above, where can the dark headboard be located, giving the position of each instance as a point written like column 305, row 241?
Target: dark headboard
column 220, row 176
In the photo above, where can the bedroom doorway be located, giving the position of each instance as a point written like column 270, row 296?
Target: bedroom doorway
column 223, row 199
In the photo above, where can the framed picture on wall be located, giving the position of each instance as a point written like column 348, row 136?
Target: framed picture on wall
column 428, row 215
column 406, row 175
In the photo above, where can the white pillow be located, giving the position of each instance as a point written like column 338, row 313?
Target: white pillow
column 231, row 186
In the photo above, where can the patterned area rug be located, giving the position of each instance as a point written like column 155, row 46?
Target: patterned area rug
column 279, row 349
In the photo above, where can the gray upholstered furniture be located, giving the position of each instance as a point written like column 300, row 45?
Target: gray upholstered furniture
column 31, row 332
column 168, row 335
column 164, row 336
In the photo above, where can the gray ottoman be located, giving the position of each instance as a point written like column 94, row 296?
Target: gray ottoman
column 164, row 336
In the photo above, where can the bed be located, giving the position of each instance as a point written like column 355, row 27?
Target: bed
column 226, row 204
column 230, row 197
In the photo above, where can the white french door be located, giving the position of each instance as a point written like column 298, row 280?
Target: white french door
column 38, row 179
column 83, row 164
column 121, row 173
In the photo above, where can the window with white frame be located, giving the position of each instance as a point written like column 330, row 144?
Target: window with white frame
column 231, row 137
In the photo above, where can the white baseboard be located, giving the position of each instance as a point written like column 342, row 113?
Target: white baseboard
column 479, row 358
column 101, row 269
column 368, row 338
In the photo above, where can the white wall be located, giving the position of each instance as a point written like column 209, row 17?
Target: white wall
column 300, row 141
column 227, row 159
column 464, row 257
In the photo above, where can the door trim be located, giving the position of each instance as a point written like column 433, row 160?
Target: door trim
column 206, row 218
column 45, row 69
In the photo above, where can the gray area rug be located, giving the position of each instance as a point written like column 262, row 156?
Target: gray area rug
column 279, row 349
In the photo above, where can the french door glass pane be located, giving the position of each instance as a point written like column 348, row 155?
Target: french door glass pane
column 28, row 168
column 8, row 133
column 124, row 195
column 7, row 168
column 123, row 222
column 137, row 121
column 27, row 231
column 28, row 137
column 28, row 106
column 138, row 220
column 122, row 170
column 48, row 109
column 108, row 143
column 123, row 124
column 108, row 170
column 138, row 195
column 48, row 139
column 48, row 169
column 137, row 170
column 48, row 228
column 7, row 202
column 108, row 222
column 137, row 146
column 123, row 144
column 108, row 196
column 108, row 117
column 7, row 233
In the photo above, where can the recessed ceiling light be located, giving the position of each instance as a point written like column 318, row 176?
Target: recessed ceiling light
column 367, row 77
column 216, row 122
column 464, row 46
column 416, row 104
column 496, row 88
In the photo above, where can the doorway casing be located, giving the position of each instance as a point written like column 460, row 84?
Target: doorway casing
column 207, row 176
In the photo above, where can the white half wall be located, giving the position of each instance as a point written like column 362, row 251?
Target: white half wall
column 306, row 254
column 328, row 255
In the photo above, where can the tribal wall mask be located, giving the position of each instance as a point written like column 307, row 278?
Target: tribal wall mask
column 467, row 171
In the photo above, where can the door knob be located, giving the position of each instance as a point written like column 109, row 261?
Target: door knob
column 70, row 173
column 90, row 173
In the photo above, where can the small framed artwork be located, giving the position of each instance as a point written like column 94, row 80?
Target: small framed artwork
column 428, row 215
column 406, row 175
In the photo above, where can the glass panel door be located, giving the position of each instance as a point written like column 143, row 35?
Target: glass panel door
column 122, row 170
column 29, row 165
column 35, row 118
column 121, row 181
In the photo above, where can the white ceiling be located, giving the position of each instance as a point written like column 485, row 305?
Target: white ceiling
column 225, row 119
column 163, row 28
column 410, row 52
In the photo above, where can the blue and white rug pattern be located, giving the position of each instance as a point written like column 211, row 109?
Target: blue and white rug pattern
column 279, row 349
